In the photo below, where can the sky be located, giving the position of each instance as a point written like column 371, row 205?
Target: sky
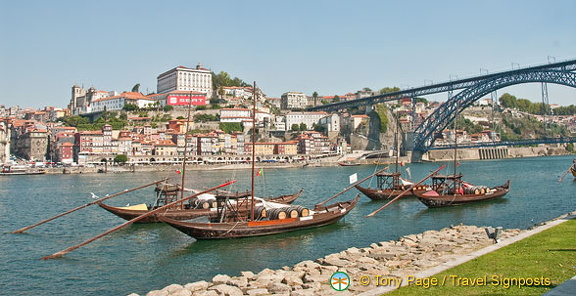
column 331, row 47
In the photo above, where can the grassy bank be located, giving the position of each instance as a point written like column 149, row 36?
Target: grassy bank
column 531, row 266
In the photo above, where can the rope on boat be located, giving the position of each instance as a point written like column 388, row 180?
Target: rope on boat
column 238, row 222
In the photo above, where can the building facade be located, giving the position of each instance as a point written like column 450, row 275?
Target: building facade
column 186, row 79
column 293, row 100
column 307, row 118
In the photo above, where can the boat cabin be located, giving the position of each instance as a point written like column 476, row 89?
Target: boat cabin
column 447, row 184
column 389, row 181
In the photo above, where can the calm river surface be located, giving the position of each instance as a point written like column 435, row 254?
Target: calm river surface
column 141, row 258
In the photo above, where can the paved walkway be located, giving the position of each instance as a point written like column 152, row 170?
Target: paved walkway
column 568, row 288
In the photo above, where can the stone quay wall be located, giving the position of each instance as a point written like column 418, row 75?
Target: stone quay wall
column 494, row 153
column 390, row 260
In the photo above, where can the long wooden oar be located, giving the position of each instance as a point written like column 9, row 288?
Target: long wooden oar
column 405, row 191
column 68, row 250
column 88, row 204
column 350, row 187
column 564, row 175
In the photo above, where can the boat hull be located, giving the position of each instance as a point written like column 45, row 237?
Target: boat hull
column 181, row 214
column 387, row 194
column 573, row 170
column 23, row 173
column 462, row 199
column 206, row 231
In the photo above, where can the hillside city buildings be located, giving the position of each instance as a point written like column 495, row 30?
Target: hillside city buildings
column 288, row 132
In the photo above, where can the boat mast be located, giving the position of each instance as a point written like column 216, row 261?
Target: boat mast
column 185, row 148
column 456, row 138
column 253, row 148
column 397, row 142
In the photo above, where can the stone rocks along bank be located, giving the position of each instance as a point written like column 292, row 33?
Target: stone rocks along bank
column 391, row 259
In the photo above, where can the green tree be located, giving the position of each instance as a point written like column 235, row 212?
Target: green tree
column 523, row 105
column 168, row 108
column 389, row 90
column 303, row 127
column 295, row 127
column 121, row 158
column 422, row 100
column 130, row 107
column 136, row 87
column 229, row 127
column 315, row 96
column 75, row 120
column 508, row 101
column 224, row 79
column 382, row 112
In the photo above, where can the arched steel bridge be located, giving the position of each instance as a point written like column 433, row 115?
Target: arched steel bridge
column 473, row 89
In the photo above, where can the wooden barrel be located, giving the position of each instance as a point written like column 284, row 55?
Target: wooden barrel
column 259, row 212
column 473, row 190
column 278, row 213
column 292, row 212
column 302, row 211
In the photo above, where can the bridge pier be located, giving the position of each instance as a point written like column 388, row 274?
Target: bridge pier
column 493, row 153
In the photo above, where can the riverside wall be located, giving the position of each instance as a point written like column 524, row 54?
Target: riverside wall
column 493, row 153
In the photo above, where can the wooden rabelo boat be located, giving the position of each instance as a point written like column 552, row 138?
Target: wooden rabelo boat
column 450, row 190
column 389, row 186
column 264, row 218
column 203, row 205
column 231, row 223
column 573, row 168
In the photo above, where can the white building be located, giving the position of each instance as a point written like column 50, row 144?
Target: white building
column 116, row 103
column 293, row 100
column 186, row 79
column 308, row 118
column 235, row 114
column 4, row 142
column 237, row 92
column 330, row 122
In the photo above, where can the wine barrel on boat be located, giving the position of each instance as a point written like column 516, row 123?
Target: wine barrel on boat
column 302, row 211
column 277, row 213
column 472, row 190
column 197, row 203
column 259, row 212
column 292, row 212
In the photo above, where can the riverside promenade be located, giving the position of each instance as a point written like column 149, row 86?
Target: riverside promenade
column 380, row 268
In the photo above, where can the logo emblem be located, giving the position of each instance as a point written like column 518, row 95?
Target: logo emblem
column 340, row 281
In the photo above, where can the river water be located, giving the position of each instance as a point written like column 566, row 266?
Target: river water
column 141, row 258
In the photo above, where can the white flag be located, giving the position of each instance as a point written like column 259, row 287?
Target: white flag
column 353, row 178
column 409, row 173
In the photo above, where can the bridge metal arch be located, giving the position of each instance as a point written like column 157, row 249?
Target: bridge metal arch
column 443, row 115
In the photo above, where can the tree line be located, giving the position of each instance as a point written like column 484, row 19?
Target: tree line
column 524, row 105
